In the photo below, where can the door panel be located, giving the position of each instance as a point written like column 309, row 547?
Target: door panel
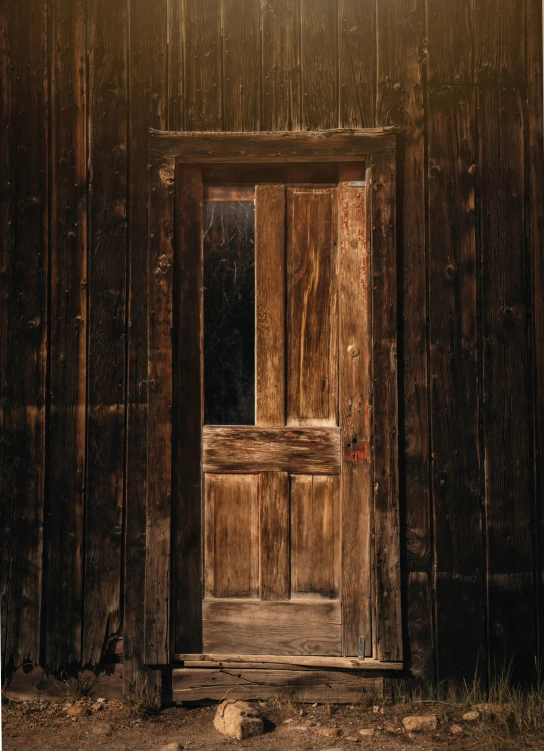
column 231, row 512
column 315, row 536
column 312, row 327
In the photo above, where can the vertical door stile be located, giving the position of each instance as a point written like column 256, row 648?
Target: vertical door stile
column 355, row 411
column 270, row 384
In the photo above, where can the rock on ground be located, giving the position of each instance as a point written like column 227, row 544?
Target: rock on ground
column 238, row 720
column 471, row 716
column 420, row 722
column 175, row 746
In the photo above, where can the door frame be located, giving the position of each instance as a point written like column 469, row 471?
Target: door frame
column 172, row 590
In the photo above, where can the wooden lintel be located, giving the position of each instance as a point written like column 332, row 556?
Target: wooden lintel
column 344, row 663
column 302, row 146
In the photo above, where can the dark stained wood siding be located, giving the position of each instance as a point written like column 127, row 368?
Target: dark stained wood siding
column 462, row 82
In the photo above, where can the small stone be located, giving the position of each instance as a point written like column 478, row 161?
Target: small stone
column 175, row 746
column 471, row 716
column 376, row 709
column 456, row 729
column 78, row 710
column 103, row 728
column 286, row 722
column 366, row 732
column 329, row 732
column 314, row 705
column 418, row 723
column 238, row 720
column 352, row 738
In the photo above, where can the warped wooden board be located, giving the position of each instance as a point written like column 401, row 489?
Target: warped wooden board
column 311, row 627
column 274, row 535
column 190, row 684
column 308, row 661
column 304, row 146
column 248, row 449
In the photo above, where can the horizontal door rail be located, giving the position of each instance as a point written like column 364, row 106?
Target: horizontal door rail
column 250, row 450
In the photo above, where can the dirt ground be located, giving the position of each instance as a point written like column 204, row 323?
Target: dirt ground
column 95, row 724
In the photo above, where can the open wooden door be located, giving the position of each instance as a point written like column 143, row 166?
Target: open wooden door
column 276, row 436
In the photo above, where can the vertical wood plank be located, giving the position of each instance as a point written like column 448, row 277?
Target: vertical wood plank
column 231, row 511
column 159, row 382
column 450, row 34
column 202, row 68
column 107, row 39
column 319, row 64
column 188, row 413
column 357, row 63
column 535, row 149
column 274, row 535
column 68, row 337
column 281, row 109
column 506, row 382
column 23, row 323
column 454, row 377
column 312, row 335
column 241, row 65
column 148, row 108
column 270, row 282
column 175, row 64
column 355, row 386
column 316, row 536
column 401, row 79
column 388, row 630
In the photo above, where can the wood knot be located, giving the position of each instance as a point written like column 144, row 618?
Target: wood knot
column 164, row 265
column 166, row 173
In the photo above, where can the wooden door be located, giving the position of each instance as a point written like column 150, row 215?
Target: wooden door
column 287, row 497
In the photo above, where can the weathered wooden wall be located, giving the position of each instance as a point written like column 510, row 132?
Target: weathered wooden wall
column 81, row 83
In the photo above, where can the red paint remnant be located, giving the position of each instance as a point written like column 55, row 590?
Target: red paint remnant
column 360, row 454
column 368, row 419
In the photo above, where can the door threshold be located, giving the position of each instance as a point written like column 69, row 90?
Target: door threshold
column 215, row 660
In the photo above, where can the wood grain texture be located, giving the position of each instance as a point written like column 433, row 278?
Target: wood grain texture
column 356, row 63
column 401, row 101
column 312, row 307
column 274, row 535
column 148, row 106
column 68, row 339
column 231, row 516
column 270, row 295
column 281, row 93
column 506, row 382
column 23, row 324
column 535, row 148
column 455, row 406
column 316, row 537
column 388, row 628
column 241, row 448
column 451, row 30
column 202, row 65
column 307, row 686
column 188, row 412
column 284, row 628
column 159, row 380
column 277, row 662
column 241, row 65
column 339, row 145
column 355, row 380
